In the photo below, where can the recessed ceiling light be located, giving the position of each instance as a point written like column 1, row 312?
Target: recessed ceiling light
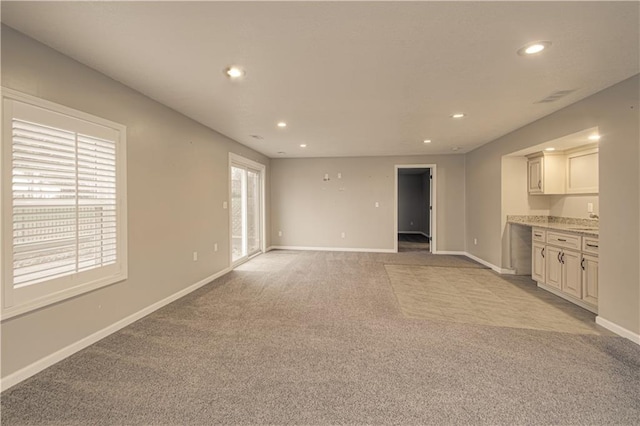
column 549, row 149
column 303, row 145
column 234, row 72
column 426, row 141
column 282, row 124
column 457, row 115
column 533, row 48
column 594, row 137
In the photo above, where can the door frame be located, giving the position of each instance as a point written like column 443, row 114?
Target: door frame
column 238, row 160
column 432, row 195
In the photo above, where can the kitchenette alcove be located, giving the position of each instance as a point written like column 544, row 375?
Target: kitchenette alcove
column 550, row 208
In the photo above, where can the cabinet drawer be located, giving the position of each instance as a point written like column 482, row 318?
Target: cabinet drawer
column 564, row 240
column 590, row 245
column 538, row 234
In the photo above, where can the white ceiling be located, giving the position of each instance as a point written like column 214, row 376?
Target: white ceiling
column 349, row 78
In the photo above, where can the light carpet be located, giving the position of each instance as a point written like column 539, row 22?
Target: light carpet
column 319, row 338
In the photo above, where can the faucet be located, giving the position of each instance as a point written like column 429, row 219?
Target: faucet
column 594, row 216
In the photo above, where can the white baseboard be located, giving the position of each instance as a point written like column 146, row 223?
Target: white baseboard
column 450, row 252
column 49, row 360
column 620, row 331
column 504, row 271
column 362, row 250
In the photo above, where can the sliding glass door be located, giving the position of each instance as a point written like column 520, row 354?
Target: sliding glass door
column 246, row 211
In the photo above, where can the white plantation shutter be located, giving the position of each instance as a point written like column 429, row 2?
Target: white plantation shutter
column 44, row 203
column 66, row 204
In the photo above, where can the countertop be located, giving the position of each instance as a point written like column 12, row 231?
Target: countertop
column 587, row 227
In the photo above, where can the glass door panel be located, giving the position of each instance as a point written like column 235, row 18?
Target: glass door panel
column 238, row 213
column 253, row 212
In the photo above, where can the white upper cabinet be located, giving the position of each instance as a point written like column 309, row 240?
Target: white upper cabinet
column 573, row 172
column 582, row 172
column 546, row 173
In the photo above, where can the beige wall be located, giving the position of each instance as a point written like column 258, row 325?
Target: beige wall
column 615, row 112
column 177, row 182
column 313, row 213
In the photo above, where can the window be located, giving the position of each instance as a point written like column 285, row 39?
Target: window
column 63, row 203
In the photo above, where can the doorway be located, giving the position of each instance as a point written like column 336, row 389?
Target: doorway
column 247, row 208
column 415, row 208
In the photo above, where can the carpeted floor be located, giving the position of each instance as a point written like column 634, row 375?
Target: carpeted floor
column 319, row 338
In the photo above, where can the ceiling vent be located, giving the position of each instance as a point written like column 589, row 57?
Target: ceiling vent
column 555, row 96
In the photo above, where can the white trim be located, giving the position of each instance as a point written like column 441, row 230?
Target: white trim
column 35, row 367
column 503, row 271
column 451, row 252
column 620, row 331
column 350, row 249
column 434, row 203
column 568, row 297
column 69, row 286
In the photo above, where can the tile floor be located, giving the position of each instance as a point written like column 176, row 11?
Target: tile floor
column 480, row 296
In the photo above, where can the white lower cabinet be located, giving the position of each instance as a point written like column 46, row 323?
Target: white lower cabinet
column 538, row 262
column 554, row 267
column 571, row 273
column 564, row 270
column 589, row 266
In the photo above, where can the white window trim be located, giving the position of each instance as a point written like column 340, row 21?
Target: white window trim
column 7, row 306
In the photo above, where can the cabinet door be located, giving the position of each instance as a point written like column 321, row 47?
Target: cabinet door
column 538, row 262
column 590, row 279
column 536, row 181
column 553, row 266
column 571, row 273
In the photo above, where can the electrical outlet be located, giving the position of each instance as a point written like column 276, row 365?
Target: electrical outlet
column 195, row 256
column 339, row 175
column 475, row 241
column 215, row 247
column 589, row 207
column 279, row 233
column 343, row 235
column 377, row 204
column 224, row 204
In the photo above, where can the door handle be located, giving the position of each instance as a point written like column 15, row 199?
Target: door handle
column 582, row 263
column 542, row 252
column 539, row 184
column 562, row 258
column 559, row 254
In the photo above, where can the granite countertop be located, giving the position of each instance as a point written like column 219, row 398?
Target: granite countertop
column 589, row 227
